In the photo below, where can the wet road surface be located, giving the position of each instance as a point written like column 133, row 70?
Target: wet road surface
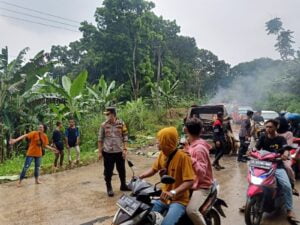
column 78, row 196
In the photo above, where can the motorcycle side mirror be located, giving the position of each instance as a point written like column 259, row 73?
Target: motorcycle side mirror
column 165, row 179
column 130, row 164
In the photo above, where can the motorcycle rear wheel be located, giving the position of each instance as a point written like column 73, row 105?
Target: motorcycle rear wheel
column 253, row 214
column 213, row 218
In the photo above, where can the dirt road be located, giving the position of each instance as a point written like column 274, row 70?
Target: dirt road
column 78, row 197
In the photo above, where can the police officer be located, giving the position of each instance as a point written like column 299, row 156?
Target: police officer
column 112, row 147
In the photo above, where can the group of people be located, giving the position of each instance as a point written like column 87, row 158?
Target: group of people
column 191, row 166
column 38, row 141
column 277, row 135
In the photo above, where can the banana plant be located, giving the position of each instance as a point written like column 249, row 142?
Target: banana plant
column 165, row 92
column 104, row 93
column 70, row 92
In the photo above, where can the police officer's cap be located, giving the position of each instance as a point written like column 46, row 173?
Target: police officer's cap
column 111, row 110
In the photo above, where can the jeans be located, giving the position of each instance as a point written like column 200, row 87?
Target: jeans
column 110, row 159
column 60, row 156
column 175, row 211
column 285, row 186
column 37, row 164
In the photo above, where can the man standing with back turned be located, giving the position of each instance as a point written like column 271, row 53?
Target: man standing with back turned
column 112, row 146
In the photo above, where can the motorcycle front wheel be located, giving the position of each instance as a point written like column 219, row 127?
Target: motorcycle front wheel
column 213, row 218
column 253, row 212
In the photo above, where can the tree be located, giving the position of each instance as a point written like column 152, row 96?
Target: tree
column 284, row 44
column 284, row 38
column 16, row 77
column 274, row 26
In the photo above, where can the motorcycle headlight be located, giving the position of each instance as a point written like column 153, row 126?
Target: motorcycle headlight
column 256, row 180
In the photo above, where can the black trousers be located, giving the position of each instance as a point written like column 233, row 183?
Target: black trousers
column 219, row 152
column 243, row 148
column 110, row 159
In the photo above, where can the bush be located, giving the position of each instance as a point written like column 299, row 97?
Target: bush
column 89, row 128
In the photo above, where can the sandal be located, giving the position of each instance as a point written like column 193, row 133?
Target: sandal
column 295, row 192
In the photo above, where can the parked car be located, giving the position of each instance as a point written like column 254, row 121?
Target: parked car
column 267, row 115
column 208, row 114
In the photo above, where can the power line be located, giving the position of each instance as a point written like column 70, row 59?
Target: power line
column 42, row 18
column 40, row 12
column 43, row 24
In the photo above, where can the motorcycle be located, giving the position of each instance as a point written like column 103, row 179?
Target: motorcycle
column 262, row 194
column 136, row 207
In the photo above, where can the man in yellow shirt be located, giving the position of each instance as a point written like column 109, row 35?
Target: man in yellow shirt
column 176, row 163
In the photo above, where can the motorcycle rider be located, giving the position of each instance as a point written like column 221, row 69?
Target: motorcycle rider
column 199, row 151
column 245, row 136
column 219, row 140
column 273, row 142
column 178, row 164
column 283, row 130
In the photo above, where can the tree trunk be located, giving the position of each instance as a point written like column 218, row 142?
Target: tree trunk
column 158, row 65
column 8, row 146
column 1, row 144
column 158, row 74
column 135, row 86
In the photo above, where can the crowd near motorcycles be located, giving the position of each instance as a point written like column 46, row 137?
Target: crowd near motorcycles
column 269, row 147
column 187, row 192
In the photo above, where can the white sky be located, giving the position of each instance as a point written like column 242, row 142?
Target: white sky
column 232, row 29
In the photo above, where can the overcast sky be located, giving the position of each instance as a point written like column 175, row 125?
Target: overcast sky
column 232, row 29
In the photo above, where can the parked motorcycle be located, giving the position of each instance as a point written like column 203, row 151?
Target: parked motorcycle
column 263, row 194
column 136, row 207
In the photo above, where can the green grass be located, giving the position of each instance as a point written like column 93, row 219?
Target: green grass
column 142, row 135
column 15, row 165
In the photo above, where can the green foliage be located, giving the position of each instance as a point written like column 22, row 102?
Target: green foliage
column 15, row 165
column 284, row 38
column 78, row 84
column 70, row 91
column 139, row 117
column 104, row 94
column 274, row 26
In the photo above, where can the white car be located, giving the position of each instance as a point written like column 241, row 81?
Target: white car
column 267, row 115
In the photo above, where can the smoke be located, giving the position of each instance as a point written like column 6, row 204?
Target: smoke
column 253, row 86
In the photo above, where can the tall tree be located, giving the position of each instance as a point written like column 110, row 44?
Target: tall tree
column 284, row 44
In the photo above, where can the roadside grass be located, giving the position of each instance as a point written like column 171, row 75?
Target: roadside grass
column 141, row 136
column 15, row 165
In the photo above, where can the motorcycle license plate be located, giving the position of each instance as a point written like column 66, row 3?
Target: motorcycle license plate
column 260, row 164
column 128, row 204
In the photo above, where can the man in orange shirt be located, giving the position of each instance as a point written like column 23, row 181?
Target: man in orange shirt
column 38, row 141
column 178, row 164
